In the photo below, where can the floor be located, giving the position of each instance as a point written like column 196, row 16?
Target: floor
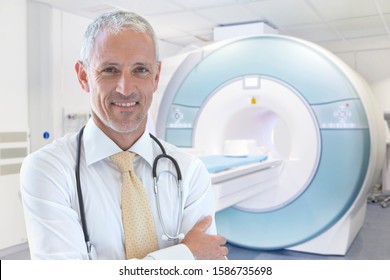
column 372, row 243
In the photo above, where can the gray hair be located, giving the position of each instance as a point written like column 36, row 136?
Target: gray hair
column 115, row 22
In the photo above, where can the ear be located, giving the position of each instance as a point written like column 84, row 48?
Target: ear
column 82, row 75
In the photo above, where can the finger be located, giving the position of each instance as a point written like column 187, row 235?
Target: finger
column 223, row 240
column 203, row 224
column 225, row 251
column 221, row 257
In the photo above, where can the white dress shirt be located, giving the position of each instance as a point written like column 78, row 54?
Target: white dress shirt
column 49, row 193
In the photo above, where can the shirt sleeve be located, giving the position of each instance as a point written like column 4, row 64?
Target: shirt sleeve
column 200, row 201
column 177, row 252
column 53, row 227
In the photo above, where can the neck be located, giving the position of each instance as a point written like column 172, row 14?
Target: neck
column 123, row 139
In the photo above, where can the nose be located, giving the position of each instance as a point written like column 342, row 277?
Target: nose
column 126, row 84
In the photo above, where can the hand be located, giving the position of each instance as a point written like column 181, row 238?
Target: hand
column 205, row 246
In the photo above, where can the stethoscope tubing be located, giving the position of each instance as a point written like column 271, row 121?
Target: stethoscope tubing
column 165, row 236
column 79, row 192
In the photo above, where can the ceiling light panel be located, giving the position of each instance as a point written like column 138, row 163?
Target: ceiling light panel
column 360, row 27
column 384, row 6
column 230, row 14
column 314, row 33
column 186, row 21
column 283, row 13
column 343, row 9
column 163, row 31
column 145, row 7
column 197, row 4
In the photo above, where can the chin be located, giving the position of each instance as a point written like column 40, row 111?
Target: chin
column 125, row 128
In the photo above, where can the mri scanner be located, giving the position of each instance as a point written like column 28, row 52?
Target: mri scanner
column 308, row 116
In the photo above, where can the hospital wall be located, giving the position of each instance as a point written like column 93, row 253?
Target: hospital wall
column 13, row 73
column 40, row 93
column 13, row 118
column 373, row 64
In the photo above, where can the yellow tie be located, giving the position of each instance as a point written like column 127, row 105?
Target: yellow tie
column 137, row 218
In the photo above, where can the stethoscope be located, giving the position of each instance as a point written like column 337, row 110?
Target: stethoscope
column 166, row 236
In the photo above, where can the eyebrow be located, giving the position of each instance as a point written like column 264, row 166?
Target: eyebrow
column 105, row 64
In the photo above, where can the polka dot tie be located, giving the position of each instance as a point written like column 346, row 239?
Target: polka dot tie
column 137, row 218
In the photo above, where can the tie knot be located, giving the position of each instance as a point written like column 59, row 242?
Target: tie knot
column 124, row 161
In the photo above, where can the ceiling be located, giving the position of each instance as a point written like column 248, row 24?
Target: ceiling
column 339, row 25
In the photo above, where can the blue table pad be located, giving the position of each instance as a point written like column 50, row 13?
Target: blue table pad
column 218, row 163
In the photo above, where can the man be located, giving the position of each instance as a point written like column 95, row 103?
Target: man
column 119, row 68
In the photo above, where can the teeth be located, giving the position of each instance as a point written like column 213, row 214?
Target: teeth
column 129, row 104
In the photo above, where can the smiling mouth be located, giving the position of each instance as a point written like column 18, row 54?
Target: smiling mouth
column 125, row 104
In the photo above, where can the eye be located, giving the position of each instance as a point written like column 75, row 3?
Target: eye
column 141, row 70
column 110, row 70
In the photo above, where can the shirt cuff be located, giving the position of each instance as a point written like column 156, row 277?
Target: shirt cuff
column 177, row 252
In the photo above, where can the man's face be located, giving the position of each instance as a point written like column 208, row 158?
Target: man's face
column 122, row 76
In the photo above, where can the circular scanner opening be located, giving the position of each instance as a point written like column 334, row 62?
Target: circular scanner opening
column 264, row 126
column 281, row 123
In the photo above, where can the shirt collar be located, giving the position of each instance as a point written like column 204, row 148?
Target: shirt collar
column 98, row 146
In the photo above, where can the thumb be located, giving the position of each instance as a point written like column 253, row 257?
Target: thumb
column 203, row 224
